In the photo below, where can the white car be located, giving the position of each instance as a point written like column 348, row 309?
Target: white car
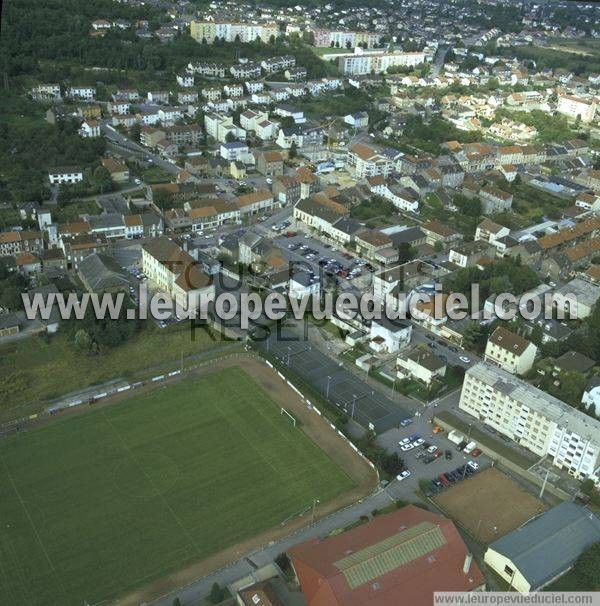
column 474, row 466
column 404, row 441
column 269, row 180
column 432, row 449
column 407, row 447
column 402, row 476
column 464, row 359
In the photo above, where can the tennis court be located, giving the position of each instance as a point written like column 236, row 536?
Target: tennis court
column 348, row 392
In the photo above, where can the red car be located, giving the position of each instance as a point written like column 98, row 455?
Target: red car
column 443, row 479
column 476, row 452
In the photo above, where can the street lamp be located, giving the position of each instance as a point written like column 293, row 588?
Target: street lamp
column 353, row 404
column 328, row 382
column 314, row 505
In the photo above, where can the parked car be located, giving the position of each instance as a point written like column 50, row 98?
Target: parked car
column 464, row 359
column 404, row 441
column 473, row 465
column 476, row 452
column 414, row 437
column 432, row 449
column 405, row 422
column 444, row 480
column 407, row 447
column 402, row 476
column 448, row 455
column 437, row 429
column 461, row 445
column 428, row 459
column 418, row 442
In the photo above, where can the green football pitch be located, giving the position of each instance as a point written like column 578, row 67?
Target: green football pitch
column 101, row 503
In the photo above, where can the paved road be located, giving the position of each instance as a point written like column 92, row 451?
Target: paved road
column 193, row 594
column 438, row 60
column 127, row 144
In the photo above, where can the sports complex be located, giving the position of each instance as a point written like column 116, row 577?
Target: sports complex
column 195, row 470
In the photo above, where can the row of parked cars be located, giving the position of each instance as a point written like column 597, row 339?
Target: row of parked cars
column 449, row 478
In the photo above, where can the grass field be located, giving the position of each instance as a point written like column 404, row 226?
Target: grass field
column 35, row 369
column 98, row 504
column 489, row 504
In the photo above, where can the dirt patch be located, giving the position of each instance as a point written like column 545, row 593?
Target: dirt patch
column 313, row 425
column 489, row 505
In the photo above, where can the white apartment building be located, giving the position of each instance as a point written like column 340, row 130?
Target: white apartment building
column 534, row 419
column 509, row 351
column 573, row 107
column 362, row 63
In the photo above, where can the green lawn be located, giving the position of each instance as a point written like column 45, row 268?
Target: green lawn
column 98, row 504
column 37, row 370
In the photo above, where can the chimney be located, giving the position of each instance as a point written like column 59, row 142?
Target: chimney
column 467, row 564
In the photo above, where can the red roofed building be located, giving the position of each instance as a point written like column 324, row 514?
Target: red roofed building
column 399, row 558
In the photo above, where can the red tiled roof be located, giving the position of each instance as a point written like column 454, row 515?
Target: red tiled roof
column 324, row 570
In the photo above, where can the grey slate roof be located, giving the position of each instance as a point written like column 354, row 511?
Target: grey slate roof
column 549, row 544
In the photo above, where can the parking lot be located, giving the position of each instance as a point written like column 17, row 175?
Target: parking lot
column 318, row 256
column 431, row 457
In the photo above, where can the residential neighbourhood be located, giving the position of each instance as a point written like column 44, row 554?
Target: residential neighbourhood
column 433, row 168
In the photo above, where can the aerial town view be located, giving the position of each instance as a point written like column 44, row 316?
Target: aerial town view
column 299, row 302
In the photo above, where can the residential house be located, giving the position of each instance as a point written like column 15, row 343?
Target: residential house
column 510, row 351
column 420, row 364
column 269, row 163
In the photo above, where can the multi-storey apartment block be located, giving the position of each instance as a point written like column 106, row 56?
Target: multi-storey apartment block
column 362, row 63
column 229, row 31
column 534, row 419
column 345, row 39
column 574, row 107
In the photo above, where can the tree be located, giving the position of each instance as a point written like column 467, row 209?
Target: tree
column 392, row 464
column 216, row 593
column 176, row 602
column 472, row 336
column 162, row 198
column 293, row 150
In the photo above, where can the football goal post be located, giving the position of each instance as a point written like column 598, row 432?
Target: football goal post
column 290, row 415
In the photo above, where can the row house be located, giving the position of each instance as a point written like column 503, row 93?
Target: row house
column 278, row 64
column 77, row 247
column 15, row 242
column 210, row 70
column 234, row 90
column 87, row 93
column 65, row 175
column 158, row 96
column 251, row 204
column 254, row 87
column 186, row 97
column 245, row 71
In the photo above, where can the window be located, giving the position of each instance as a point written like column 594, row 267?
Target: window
column 508, row 570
